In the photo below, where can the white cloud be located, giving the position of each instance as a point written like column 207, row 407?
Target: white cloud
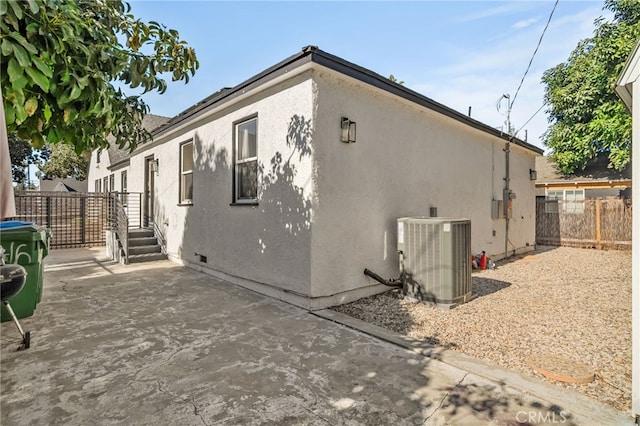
column 505, row 9
column 482, row 72
column 524, row 23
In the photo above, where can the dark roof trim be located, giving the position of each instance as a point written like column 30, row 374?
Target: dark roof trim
column 120, row 164
column 366, row 76
column 313, row 54
column 226, row 94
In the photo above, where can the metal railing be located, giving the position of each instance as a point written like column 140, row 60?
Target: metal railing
column 75, row 219
column 132, row 204
column 121, row 226
column 79, row 219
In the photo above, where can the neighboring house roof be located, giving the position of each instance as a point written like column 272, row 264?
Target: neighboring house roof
column 150, row 122
column 311, row 54
column 63, row 185
column 595, row 175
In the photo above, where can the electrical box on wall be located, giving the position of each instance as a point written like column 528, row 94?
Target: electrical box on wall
column 497, row 209
column 508, row 197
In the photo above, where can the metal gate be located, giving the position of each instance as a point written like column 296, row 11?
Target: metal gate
column 76, row 219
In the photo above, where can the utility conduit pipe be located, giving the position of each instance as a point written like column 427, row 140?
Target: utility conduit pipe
column 389, row 283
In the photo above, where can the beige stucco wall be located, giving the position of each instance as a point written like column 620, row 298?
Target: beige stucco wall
column 267, row 244
column 406, row 160
column 327, row 210
column 101, row 170
column 97, row 170
column 635, row 274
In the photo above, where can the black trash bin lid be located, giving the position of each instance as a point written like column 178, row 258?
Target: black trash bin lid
column 12, row 279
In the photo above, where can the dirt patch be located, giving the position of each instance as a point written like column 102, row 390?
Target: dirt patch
column 567, row 302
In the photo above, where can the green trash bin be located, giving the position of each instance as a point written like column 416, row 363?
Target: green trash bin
column 25, row 244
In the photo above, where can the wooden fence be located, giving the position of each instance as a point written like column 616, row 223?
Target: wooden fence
column 601, row 224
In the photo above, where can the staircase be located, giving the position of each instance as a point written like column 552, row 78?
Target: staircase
column 143, row 246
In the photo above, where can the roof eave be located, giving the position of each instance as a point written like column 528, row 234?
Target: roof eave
column 315, row 55
column 627, row 77
column 366, row 76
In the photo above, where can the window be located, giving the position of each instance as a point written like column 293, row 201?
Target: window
column 571, row 200
column 112, row 182
column 551, row 206
column 123, row 182
column 123, row 187
column 246, row 161
column 105, row 184
column 98, row 156
column 186, row 173
column 98, row 185
column 574, row 201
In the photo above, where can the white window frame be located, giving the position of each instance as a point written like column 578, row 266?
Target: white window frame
column 237, row 162
column 572, row 203
column 123, row 187
column 566, row 198
column 123, row 181
column 184, row 173
column 98, row 186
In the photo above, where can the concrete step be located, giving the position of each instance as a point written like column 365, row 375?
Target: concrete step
column 154, row 248
column 144, row 241
column 146, row 257
column 141, row 233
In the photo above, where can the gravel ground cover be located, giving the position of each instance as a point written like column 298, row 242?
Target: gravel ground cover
column 570, row 303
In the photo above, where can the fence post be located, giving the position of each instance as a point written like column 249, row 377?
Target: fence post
column 49, row 211
column 598, row 220
column 83, row 219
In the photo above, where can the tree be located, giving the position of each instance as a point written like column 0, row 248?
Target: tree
column 64, row 162
column 586, row 117
column 61, row 58
column 22, row 156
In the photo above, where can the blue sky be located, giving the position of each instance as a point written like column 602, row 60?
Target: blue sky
column 459, row 53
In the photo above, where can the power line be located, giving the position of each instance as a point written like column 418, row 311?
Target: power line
column 527, row 122
column 534, row 52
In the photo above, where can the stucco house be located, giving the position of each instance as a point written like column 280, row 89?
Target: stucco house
column 291, row 182
column 628, row 89
column 108, row 168
column 597, row 180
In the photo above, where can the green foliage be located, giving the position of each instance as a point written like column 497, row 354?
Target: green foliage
column 65, row 163
column 393, row 78
column 60, row 58
column 23, row 155
column 587, row 118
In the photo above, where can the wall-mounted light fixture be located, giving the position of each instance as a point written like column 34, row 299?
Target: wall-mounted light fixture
column 533, row 175
column 348, row 130
column 154, row 166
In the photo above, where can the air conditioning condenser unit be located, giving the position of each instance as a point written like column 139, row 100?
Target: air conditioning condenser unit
column 435, row 259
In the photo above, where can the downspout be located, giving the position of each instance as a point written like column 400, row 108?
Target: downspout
column 506, row 196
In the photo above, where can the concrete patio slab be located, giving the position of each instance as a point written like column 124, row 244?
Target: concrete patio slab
column 161, row 344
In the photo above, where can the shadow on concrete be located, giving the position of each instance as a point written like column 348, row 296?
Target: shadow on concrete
column 163, row 344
